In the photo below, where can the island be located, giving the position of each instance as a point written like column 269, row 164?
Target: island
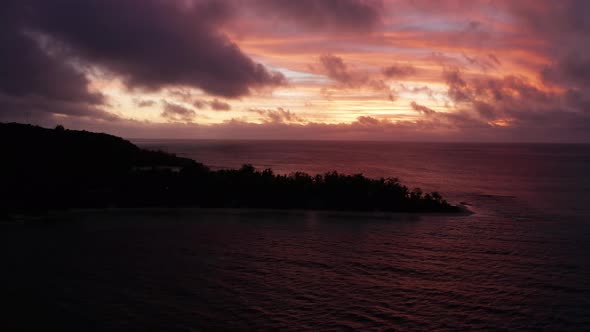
column 50, row 169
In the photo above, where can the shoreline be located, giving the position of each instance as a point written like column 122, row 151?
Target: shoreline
column 11, row 218
column 84, row 169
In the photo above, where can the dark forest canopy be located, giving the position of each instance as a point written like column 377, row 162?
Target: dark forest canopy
column 59, row 168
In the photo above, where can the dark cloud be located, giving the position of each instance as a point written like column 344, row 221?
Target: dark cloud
column 516, row 103
column 149, row 44
column 175, row 112
column 200, row 104
column 572, row 70
column 495, row 59
column 183, row 94
column 144, row 102
column 457, row 91
column 336, row 69
column 37, row 109
column 29, row 71
column 279, row 115
column 422, row 109
column 484, row 110
column 351, row 15
column 217, row 105
column 484, row 63
column 398, row 71
column 367, row 121
column 152, row 43
column 563, row 26
column 35, row 83
column 507, row 90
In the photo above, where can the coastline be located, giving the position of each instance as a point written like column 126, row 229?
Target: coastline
column 92, row 170
column 57, row 215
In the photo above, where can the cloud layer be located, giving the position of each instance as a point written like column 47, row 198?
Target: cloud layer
column 338, row 69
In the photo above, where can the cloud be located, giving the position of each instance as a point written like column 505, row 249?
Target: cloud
column 334, row 67
column 422, row 109
column 563, row 27
column 144, row 102
column 486, row 62
column 200, row 104
column 215, row 104
column 279, row 115
column 337, row 70
column 347, row 15
column 424, row 90
column 511, row 68
column 35, row 83
column 219, row 105
column 151, row 44
column 439, row 127
column 495, row 59
column 175, row 112
column 515, row 102
column 398, row 71
column 367, row 121
column 29, row 71
column 457, row 91
column 572, row 70
column 37, row 109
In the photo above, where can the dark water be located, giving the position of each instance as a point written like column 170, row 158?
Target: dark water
column 521, row 262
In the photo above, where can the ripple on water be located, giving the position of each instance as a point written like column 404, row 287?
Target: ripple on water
column 294, row 270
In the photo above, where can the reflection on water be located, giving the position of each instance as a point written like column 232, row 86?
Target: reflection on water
column 520, row 262
column 174, row 270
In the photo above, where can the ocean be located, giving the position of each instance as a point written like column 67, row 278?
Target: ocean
column 521, row 261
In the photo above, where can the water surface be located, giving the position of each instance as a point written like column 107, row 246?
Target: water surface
column 521, row 262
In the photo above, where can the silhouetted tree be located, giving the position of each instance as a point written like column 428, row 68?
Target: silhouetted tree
column 68, row 168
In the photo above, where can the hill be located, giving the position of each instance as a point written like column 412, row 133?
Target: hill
column 37, row 147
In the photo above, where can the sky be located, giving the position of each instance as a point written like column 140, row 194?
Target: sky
column 415, row 70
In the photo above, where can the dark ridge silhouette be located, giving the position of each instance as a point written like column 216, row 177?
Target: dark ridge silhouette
column 58, row 168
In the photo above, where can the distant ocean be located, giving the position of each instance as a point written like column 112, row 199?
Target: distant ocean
column 522, row 181
column 520, row 262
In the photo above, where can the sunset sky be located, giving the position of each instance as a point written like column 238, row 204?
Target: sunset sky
column 283, row 69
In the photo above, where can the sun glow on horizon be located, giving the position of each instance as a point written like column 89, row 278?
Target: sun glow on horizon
column 387, row 68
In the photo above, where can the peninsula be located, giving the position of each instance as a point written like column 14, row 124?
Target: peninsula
column 46, row 169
